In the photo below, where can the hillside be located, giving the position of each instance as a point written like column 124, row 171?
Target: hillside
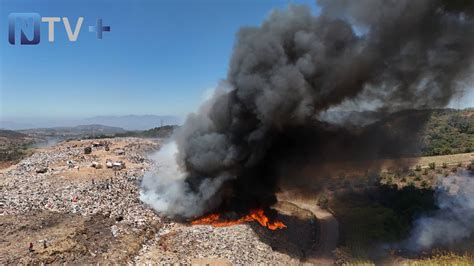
column 449, row 131
column 11, row 135
column 14, row 145
column 133, row 122
column 423, row 133
column 76, row 132
column 127, row 122
column 157, row 132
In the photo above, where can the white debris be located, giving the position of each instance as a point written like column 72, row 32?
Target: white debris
column 119, row 152
column 115, row 230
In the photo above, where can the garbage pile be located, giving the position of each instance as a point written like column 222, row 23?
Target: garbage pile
column 36, row 183
column 63, row 179
column 177, row 244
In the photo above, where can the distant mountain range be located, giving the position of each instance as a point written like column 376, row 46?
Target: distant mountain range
column 127, row 122
column 10, row 125
column 133, row 122
column 81, row 130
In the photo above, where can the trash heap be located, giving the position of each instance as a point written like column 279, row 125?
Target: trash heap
column 36, row 183
column 64, row 179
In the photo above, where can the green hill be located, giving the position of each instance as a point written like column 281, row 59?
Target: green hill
column 449, row 131
column 14, row 145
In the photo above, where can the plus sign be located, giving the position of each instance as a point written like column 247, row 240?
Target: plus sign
column 99, row 28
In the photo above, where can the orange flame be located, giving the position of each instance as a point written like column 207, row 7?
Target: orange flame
column 254, row 215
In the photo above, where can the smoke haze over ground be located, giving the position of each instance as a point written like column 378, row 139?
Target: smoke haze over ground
column 454, row 219
column 288, row 74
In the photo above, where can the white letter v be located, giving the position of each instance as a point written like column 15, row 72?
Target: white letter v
column 73, row 36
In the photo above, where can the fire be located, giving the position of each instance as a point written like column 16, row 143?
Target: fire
column 257, row 215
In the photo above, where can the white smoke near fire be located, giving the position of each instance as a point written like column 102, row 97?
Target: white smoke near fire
column 165, row 190
column 453, row 221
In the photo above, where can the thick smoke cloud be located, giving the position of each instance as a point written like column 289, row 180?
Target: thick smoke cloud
column 453, row 221
column 287, row 73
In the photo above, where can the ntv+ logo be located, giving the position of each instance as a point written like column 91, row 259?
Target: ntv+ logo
column 29, row 24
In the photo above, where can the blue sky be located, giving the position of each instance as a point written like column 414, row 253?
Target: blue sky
column 159, row 58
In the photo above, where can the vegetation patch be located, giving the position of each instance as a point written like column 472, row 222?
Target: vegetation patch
column 449, row 131
column 382, row 215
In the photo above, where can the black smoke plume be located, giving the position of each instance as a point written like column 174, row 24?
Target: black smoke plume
column 289, row 76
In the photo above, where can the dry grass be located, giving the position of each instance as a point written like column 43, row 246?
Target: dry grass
column 445, row 259
column 359, row 262
column 450, row 160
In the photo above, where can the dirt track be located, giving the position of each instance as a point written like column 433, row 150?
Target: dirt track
column 328, row 231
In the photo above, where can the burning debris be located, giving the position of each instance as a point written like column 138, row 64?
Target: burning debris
column 289, row 75
column 254, row 215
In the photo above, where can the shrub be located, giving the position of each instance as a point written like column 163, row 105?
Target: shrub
column 424, row 184
column 418, row 168
column 397, row 174
column 445, row 165
column 417, row 177
column 323, row 201
column 432, row 165
column 445, row 259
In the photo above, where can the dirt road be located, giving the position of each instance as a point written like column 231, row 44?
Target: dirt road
column 328, row 231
